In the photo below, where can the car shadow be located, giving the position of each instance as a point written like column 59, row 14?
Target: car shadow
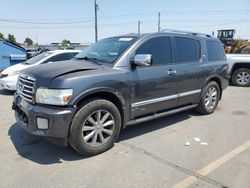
column 42, row 152
column 6, row 92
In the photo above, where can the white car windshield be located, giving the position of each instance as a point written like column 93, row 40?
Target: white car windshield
column 37, row 58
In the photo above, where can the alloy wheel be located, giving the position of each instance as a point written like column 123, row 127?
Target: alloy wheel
column 98, row 128
column 211, row 97
column 243, row 78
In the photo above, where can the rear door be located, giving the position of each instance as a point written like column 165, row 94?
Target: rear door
column 189, row 69
column 154, row 88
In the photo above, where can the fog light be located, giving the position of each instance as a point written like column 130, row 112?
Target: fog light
column 42, row 123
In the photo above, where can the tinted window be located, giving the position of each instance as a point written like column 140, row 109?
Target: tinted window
column 186, row 49
column 159, row 48
column 215, row 51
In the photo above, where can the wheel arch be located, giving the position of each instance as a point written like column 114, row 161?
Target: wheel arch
column 106, row 94
column 239, row 65
column 216, row 79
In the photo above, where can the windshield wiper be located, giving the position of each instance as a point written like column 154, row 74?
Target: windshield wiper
column 90, row 59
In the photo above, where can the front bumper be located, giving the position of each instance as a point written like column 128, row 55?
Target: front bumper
column 9, row 83
column 59, row 120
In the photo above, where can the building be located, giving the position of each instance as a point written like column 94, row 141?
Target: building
column 10, row 54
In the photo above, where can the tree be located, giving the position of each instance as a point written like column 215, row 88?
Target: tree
column 28, row 41
column 65, row 43
column 1, row 36
column 11, row 38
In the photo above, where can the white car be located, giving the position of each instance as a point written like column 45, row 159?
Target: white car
column 9, row 76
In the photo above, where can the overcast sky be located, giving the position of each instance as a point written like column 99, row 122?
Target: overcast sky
column 49, row 21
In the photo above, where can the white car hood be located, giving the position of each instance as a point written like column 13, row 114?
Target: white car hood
column 17, row 67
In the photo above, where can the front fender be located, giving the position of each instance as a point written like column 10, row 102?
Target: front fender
column 86, row 93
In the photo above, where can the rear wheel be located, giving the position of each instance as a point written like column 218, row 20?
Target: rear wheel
column 241, row 77
column 209, row 98
column 95, row 127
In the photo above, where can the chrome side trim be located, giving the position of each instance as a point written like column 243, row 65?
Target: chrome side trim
column 190, row 93
column 161, row 99
column 155, row 116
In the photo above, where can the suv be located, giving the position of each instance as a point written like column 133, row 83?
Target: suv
column 120, row 81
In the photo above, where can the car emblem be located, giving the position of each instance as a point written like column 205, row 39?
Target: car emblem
column 20, row 87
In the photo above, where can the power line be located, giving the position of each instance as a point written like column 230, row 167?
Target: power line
column 43, row 23
column 82, row 19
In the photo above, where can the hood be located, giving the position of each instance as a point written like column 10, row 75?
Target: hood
column 43, row 74
column 15, row 68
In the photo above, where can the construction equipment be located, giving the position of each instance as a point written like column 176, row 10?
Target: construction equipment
column 231, row 45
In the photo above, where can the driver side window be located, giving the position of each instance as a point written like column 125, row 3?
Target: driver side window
column 159, row 48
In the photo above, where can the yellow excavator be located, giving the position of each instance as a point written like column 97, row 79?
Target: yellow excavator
column 231, row 45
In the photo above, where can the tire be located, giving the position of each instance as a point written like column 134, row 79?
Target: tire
column 241, row 77
column 88, row 134
column 210, row 97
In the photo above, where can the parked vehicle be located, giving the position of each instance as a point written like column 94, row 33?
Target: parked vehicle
column 120, row 81
column 8, row 77
column 239, row 69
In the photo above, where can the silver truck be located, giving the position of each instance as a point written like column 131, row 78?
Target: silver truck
column 239, row 69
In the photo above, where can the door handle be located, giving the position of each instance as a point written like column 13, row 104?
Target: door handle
column 171, row 72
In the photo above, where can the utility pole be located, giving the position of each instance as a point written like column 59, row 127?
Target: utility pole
column 159, row 22
column 96, row 31
column 139, row 27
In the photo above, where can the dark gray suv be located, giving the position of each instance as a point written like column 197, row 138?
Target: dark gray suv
column 120, row 81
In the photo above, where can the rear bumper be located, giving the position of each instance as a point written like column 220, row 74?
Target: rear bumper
column 59, row 120
column 225, row 82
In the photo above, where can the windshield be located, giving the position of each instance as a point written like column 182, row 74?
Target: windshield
column 37, row 58
column 107, row 50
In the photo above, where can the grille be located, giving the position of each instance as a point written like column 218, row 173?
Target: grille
column 25, row 87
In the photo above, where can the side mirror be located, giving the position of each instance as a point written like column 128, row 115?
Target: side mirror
column 142, row 60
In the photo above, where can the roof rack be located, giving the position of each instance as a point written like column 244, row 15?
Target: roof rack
column 185, row 32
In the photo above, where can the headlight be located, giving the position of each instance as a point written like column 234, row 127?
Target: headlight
column 53, row 96
column 13, row 73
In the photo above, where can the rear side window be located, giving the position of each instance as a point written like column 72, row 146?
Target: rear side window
column 187, row 50
column 215, row 51
column 159, row 48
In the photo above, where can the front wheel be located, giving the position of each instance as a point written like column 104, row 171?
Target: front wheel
column 241, row 77
column 210, row 97
column 95, row 127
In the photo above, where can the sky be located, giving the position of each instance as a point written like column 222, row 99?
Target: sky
column 48, row 21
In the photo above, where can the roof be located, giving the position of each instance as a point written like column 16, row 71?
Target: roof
column 170, row 32
column 13, row 45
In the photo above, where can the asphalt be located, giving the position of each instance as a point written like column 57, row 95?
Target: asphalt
column 152, row 154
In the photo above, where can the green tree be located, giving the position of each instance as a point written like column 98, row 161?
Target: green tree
column 28, row 41
column 11, row 38
column 65, row 43
column 1, row 36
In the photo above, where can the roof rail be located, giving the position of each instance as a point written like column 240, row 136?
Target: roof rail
column 185, row 32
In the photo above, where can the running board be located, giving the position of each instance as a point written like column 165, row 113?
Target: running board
column 155, row 116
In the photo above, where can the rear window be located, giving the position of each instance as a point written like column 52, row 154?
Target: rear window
column 215, row 51
column 187, row 50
